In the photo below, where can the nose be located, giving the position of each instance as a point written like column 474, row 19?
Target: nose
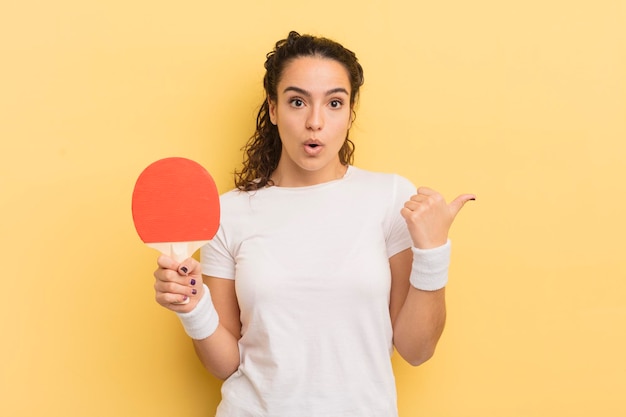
column 315, row 119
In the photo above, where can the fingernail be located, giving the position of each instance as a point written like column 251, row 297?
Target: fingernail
column 184, row 269
column 185, row 298
column 194, row 291
column 193, row 281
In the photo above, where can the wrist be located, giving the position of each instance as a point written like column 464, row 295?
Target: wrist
column 202, row 321
column 429, row 271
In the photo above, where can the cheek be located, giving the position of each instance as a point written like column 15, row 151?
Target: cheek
column 346, row 118
column 343, row 123
column 285, row 124
column 287, row 130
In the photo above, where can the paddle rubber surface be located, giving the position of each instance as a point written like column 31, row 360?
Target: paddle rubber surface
column 175, row 200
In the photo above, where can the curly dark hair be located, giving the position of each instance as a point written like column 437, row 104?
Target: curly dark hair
column 262, row 151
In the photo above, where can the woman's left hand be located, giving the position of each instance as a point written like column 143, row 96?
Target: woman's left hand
column 429, row 217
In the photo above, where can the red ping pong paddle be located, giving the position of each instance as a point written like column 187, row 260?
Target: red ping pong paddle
column 176, row 207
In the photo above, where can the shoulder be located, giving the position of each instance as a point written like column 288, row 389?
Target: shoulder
column 381, row 180
column 236, row 203
column 237, row 196
column 232, row 195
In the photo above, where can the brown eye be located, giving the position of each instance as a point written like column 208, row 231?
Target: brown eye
column 296, row 102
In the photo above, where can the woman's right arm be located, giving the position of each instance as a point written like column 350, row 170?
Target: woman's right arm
column 219, row 352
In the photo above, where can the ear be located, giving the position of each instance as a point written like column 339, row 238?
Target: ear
column 271, row 107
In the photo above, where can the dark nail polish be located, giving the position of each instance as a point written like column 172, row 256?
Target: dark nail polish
column 184, row 269
column 194, row 291
column 193, row 281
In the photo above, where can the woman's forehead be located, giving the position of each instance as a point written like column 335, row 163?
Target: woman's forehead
column 314, row 73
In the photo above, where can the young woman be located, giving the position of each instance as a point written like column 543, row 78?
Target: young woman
column 319, row 269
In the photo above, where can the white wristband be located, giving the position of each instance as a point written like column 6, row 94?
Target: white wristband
column 202, row 321
column 430, row 267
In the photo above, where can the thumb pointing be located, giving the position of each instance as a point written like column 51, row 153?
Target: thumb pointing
column 457, row 204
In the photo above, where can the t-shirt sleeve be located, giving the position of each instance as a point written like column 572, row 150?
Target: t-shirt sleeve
column 398, row 237
column 216, row 258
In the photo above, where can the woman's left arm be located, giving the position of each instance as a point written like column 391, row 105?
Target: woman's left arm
column 418, row 312
column 418, row 317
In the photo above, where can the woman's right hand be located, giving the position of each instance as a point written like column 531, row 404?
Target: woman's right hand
column 175, row 283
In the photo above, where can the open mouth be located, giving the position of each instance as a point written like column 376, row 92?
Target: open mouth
column 313, row 148
column 313, row 143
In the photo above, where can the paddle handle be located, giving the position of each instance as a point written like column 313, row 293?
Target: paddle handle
column 179, row 251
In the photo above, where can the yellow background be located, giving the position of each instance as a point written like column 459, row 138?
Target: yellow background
column 522, row 103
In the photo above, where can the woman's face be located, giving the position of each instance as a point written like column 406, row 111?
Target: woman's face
column 313, row 115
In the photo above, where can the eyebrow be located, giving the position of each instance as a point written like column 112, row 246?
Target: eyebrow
column 308, row 94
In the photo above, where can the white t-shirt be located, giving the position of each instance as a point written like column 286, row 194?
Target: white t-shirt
column 311, row 270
